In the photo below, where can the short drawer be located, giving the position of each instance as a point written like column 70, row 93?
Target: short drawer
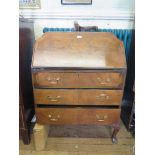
column 55, row 96
column 100, row 97
column 56, row 116
column 77, row 116
column 78, row 80
column 101, row 80
column 55, row 80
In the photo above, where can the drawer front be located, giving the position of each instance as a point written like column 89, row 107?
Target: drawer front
column 98, row 116
column 77, row 116
column 55, row 96
column 78, row 80
column 55, row 116
column 100, row 97
column 101, row 80
column 55, row 80
column 77, row 97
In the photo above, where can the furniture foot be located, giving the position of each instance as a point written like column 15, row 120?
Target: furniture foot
column 116, row 130
column 40, row 133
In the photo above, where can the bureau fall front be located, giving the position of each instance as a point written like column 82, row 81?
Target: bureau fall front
column 78, row 78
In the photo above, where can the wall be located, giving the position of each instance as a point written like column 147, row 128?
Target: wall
column 115, row 14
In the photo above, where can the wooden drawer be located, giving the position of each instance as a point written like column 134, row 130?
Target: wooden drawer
column 56, row 116
column 55, row 96
column 77, row 97
column 55, row 80
column 100, row 80
column 77, row 116
column 78, row 80
column 100, row 97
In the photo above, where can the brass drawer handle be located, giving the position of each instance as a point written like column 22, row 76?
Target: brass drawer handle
column 104, row 81
column 103, row 97
column 54, row 118
column 53, row 99
column 53, row 80
column 101, row 118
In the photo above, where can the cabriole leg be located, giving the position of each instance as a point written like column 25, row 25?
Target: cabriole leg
column 115, row 131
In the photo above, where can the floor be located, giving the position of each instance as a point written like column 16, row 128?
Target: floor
column 82, row 140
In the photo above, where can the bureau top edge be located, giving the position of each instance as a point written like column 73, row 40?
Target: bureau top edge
column 61, row 69
column 77, row 68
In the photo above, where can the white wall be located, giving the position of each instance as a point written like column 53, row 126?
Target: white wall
column 102, row 13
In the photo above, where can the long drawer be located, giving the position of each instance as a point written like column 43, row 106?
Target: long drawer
column 78, row 80
column 77, row 96
column 77, row 116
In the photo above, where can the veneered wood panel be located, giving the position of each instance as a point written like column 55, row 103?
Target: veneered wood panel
column 56, row 96
column 77, row 97
column 107, row 79
column 79, row 50
column 100, row 97
column 56, row 116
column 101, row 80
column 77, row 115
column 55, row 80
column 98, row 116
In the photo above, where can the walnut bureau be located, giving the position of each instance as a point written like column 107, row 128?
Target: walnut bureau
column 78, row 78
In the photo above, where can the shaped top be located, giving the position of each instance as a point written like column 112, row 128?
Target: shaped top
column 85, row 50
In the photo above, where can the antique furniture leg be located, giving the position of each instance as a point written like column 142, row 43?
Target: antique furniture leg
column 115, row 131
column 40, row 133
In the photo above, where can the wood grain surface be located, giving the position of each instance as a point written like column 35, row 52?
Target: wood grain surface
column 79, row 50
column 56, row 96
column 100, row 97
column 77, row 97
column 77, row 116
column 47, row 79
